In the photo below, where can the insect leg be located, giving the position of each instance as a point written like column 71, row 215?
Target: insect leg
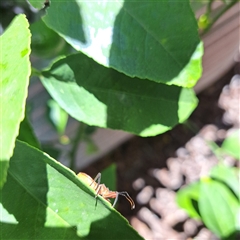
column 98, row 178
column 98, row 190
column 115, row 201
column 126, row 195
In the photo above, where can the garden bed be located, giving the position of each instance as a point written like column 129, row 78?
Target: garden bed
column 151, row 170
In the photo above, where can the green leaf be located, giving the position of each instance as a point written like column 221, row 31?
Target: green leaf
column 218, row 207
column 109, row 177
column 26, row 133
column 91, row 146
column 187, row 198
column 231, row 144
column 57, row 116
column 46, row 43
column 227, row 175
column 42, row 199
column 106, row 98
column 156, row 40
column 15, row 72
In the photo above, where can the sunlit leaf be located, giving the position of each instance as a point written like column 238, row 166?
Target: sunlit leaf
column 156, row 40
column 45, row 200
column 15, row 71
column 218, row 207
column 106, row 98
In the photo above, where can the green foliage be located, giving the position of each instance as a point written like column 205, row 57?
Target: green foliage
column 228, row 176
column 211, row 14
column 38, row 4
column 57, row 116
column 155, row 42
column 41, row 198
column 109, row 177
column 218, row 207
column 107, row 98
column 45, row 42
column 88, row 105
column 137, row 64
column 26, row 133
column 214, row 200
column 142, row 39
column 187, row 199
column 231, row 144
column 15, row 72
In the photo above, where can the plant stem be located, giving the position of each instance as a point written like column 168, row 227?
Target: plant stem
column 221, row 12
column 215, row 149
column 209, row 8
column 190, row 125
column 35, row 72
column 76, row 142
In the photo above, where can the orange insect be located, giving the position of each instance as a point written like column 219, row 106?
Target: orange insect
column 102, row 190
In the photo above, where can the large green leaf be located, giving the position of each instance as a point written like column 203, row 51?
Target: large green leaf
column 15, row 72
column 218, row 207
column 104, row 97
column 156, row 40
column 42, row 199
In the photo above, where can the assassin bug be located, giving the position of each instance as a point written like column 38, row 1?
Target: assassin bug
column 102, row 190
